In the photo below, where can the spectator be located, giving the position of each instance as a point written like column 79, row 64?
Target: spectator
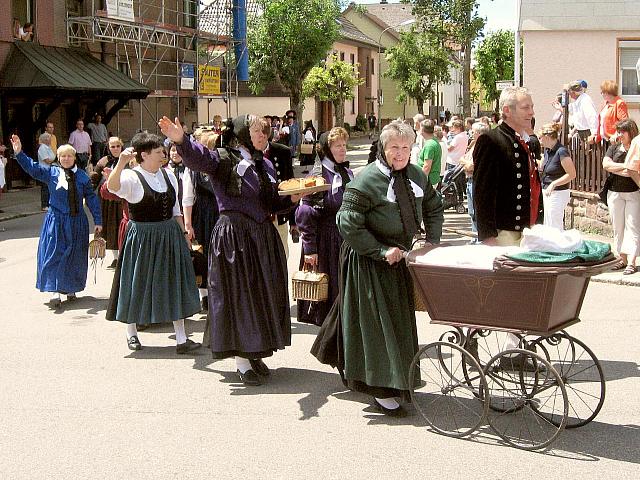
column 308, row 137
column 557, row 172
column 294, row 134
column 582, row 112
column 3, row 164
column 439, row 134
column 458, row 145
column 81, row 142
column 477, row 129
column 46, row 157
column 24, row 33
column 468, row 124
column 623, row 197
column 371, row 123
column 430, row 157
column 99, row 137
column 49, row 128
column 613, row 110
column 217, row 124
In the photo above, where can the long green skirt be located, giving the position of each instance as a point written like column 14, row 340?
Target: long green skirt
column 378, row 326
column 154, row 280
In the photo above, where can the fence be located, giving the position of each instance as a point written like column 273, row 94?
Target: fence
column 590, row 175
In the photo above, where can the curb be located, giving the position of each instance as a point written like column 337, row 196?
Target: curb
column 19, row 215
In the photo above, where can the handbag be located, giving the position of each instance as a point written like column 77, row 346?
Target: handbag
column 605, row 190
column 306, row 148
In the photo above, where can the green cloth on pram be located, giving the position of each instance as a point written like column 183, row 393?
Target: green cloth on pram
column 591, row 251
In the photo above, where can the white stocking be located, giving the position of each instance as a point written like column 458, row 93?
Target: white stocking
column 181, row 336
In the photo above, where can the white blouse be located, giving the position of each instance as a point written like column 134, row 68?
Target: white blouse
column 132, row 191
column 188, row 191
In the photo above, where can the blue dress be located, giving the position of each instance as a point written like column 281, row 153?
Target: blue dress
column 63, row 249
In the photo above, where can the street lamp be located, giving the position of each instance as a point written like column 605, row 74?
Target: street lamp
column 402, row 24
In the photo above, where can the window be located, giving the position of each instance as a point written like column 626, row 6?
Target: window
column 353, row 105
column 22, row 11
column 367, row 76
column 342, row 56
column 373, row 70
column 352, row 59
column 629, row 69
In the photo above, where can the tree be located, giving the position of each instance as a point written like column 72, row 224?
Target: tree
column 334, row 81
column 417, row 62
column 495, row 57
column 287, row 41
column 457, row 24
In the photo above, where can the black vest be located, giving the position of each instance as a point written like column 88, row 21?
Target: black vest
column 154, row 206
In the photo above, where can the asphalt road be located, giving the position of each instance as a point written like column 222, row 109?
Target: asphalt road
column 76, row 403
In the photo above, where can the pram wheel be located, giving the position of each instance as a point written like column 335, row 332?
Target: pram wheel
column 453, row 407
column 523, row 396
column 581, row 374
column 460, row 208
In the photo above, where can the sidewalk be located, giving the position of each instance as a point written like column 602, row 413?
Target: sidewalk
column 20, row 202
column 23, row 202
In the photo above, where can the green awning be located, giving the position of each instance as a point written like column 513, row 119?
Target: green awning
column 40, row 70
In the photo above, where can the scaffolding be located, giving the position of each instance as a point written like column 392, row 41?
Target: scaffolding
column 156, row 39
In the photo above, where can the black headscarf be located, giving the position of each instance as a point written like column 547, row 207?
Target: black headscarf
column 240, row 126
column 340, row 168
column 404, row 196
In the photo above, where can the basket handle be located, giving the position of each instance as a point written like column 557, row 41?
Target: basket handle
column 307, row 267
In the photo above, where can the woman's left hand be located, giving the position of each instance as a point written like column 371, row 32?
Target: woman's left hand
column 97, row 230
column 547, row 191
column 393, row 255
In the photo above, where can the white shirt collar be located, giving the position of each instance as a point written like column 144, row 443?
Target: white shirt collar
column 247, row 162
column 62, row 178
column 336, row 183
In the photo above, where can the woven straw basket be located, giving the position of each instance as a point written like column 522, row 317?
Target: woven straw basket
column 310, row 285
column 97, row 248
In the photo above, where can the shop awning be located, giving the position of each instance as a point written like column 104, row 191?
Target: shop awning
column 64, row 71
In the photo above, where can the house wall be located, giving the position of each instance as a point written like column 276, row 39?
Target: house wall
column 547, row 68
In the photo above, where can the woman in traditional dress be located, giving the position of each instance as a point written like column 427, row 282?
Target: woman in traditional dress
column 154, row 280
column 63, row 249
column 316, row 219
column 111, row 208
column 374, row 327
column 248, row 295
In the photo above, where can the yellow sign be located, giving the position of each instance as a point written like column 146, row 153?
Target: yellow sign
column 208, row 80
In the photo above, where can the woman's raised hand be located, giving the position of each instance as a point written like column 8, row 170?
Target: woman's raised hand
column 16, row 144
column 172, row 130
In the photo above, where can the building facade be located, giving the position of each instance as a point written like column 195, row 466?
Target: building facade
column 566, row 41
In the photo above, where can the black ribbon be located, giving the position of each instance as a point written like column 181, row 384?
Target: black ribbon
column 72, row 192
column 404, row 196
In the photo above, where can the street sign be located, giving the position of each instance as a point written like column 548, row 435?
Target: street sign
column 187, row 76
column 120, row 9
column 209, row 80
column 502, row 84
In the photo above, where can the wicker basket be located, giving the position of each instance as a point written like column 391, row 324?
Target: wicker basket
column 306, row 148
column 417, row 301
column 97, row 248
column 310, row 285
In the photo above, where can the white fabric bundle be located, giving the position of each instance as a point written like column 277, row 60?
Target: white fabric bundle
column 542, row 238
column 467, row 256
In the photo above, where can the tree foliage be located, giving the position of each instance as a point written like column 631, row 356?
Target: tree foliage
column 417, row 62
column 334, row 81
column 495, row 61
column 287, row 41
column 457, row 24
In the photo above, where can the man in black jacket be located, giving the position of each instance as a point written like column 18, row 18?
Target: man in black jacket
column 280, row 156
column 507, row 192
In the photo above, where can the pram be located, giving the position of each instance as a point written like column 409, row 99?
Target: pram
column 452, row 188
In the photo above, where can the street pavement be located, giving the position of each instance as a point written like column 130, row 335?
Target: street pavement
column 76, row 403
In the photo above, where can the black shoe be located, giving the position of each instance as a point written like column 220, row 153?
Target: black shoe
column 259, row 367
column 55, row 303
column 205, row 304
column 142, row 326
column 71, row 297
column 249, row 378
column 113, row 264
column 134, row 344
column 392, row 412
column 187, row 347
